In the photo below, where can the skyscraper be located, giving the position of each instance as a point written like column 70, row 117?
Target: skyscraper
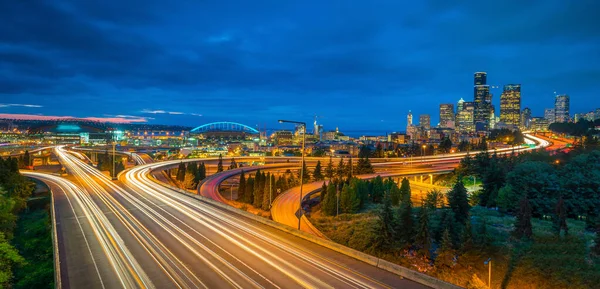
column 447, row 115
column 459, row 105
column 561, row 108
column 526, row 118
column 480, row 78
column 425, row 121
column 550, row 115
column 464, row 118
column 510, row 105
column 483, row 102
column 409, row 118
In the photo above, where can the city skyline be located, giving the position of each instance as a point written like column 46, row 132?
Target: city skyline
column 368, row 65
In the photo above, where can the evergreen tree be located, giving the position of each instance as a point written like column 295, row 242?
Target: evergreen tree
column 306, row 174
column 317, row 174
column 249, row 191
column 467, row 237
column 329, row 207
column 459, row 201
column 405, row 189
column 233, row 164
column 385, row 224
column 220, row 164
column 423, row 238
column 341, row 169
column 523, row 229
column 267, row 195
column 330, row 170
column 596, row 248
column 395, row 193
column 445, row 253
column 560, row 218
column 349, row 200
column 349, row 168
column 377, row 191
column 192, row 168
column 483, row 237
column 405, row 230
column 202, row 172
column 26, row 158
column 259, row 185
column 483, row 144
column 242, row 186
column 181, row 172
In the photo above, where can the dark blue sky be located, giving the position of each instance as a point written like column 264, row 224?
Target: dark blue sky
column 357, row 65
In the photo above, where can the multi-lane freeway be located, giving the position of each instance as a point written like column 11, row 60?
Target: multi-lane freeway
column 134, row 233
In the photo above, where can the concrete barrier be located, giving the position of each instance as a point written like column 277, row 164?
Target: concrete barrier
column 369, row 259
column 57, row 279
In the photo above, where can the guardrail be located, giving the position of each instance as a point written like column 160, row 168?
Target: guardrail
column 369, row 259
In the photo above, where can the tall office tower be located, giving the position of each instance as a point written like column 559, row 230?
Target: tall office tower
column 425, row 121
column 464, row 118
column 447, row 115
column 561, row 108
column 480, row 78
column 526, row 118
column 550, row 115
column 510, row 105
column 483, row 102
column 459, row 105
column 409, row 118
column 597, row 114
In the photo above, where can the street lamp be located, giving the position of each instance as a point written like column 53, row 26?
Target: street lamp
column 303, row 124
column 489, row 263
column 114, row 144
column 423, row 155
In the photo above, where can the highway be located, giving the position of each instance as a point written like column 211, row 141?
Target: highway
column 234, row 251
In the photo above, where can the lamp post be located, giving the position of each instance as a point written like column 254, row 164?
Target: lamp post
column 423, row 154
column 489, row 263
column 114, row 175
column 303, row 124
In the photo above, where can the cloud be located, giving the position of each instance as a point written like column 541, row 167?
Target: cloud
column 160, row 111
column 89, row 118
column 19, row 105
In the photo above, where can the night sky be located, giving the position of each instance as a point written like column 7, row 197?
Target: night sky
column 359, row 65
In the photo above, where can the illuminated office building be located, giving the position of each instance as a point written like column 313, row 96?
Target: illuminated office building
column 510, row 105
column 483, row 102
column 447, row 115
column 561, row 108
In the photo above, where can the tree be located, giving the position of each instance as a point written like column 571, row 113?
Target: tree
column 192, row 168
column 267, row 195
column 349, row 200
column 329, row 170
column 596, row 248
column 459, row 201
column 405, row 230
column 560, row 217
column 377, row 192
column 467, row 236
column 329, row 206
column 317, row 174
column 523, row 228
column 249, row 191
column 305, row 174
column 395, row 192
column 405, row 190
column 9, row 259
column 423, row 238
column 379, row 151
column 445, row 253
column 434, row 200
column 349, row 168
column 201, row 173
column 180, row 172
column 220, row 164
column 233, row 164
column 188, row 181
column 385, row 224
column 341, row 169
column 259, row 185
column 364, row 164
column 26, row 158
column 483, row 237
column 242, row 186
column 445, row 145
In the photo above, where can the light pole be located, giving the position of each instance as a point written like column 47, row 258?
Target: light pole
column 423, row 155
column 303, row 124
column 114, row 175
column 489, row 263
